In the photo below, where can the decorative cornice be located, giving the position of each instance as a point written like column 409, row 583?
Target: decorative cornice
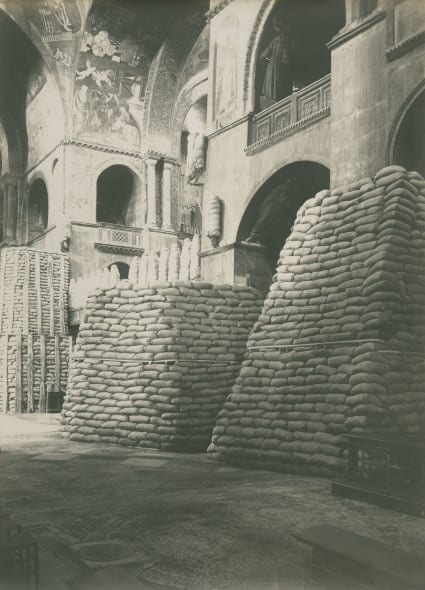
column 349, row 32
column 401, row 48
column 116, row 249
column 234, row 123
column 102, row 148
column 287, row 131
column 214, row 11
column 116, row 226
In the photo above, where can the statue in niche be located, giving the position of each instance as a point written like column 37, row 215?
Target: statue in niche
column 277, row 77
column 196, row 146
column 274, row 210
column 81, row 108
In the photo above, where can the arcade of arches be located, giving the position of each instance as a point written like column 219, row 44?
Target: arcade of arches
column 212, row 241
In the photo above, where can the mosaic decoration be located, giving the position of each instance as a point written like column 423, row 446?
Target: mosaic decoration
column 58, row 22
column 110, row 77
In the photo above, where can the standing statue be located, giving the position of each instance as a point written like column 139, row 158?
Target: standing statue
column 196, row 158
column 277, row 77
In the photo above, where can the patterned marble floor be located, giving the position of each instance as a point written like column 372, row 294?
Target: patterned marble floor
column 112, row 518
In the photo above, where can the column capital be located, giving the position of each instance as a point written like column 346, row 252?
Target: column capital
column 150, row 161
column 169, row 163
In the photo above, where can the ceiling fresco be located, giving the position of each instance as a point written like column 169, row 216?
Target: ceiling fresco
column 58, row 23
column 118, row 44
column 115, row 55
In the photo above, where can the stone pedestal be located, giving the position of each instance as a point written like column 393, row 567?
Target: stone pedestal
column 239, row 263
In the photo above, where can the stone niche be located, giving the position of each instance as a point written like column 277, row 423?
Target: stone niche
column 153, row 363
column 338, row 347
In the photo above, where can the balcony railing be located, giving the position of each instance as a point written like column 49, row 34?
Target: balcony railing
column 290, row 114
column 126, row 240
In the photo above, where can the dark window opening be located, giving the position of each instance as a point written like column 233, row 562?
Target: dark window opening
column 38, row 209
column 123, row 269
column 292, row 51
column 115, row 188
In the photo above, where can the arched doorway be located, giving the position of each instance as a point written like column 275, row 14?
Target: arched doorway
column 114, row 191
column 409, row 145
column 123, row 269
column 38, row 209
column 270, row 215
column 292, row 52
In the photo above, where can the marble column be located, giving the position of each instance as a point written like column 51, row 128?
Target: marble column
column 151, row 189
column 166, row 195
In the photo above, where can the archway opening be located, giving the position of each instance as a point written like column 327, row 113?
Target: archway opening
column 123, row 269
column 114, row 191
column 270, row 215
column 38, row 209
column 409, row 147
column 292, row 51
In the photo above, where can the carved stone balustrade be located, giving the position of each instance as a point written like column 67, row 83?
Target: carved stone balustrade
column 289, row 115
column 123, row 240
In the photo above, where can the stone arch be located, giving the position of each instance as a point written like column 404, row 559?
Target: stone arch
column 272, row 207
column 123, row 268
column 252, row 52
column 189, row 95
column 403, row 146
column 150, row 90
column 138, row 198
column 116, row 195
column 33, row 122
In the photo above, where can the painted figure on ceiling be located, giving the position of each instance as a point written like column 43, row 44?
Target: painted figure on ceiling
column 125, row 127
column 53, row 13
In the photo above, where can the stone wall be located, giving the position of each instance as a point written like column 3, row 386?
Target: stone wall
column 338, row 347
column 154, row 362
column 34, row 341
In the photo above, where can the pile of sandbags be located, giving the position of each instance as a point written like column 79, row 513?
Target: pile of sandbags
column 154, row 362
column 343, row 311
column 33, row 291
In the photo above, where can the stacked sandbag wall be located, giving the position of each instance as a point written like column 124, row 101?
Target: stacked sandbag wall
column 154, row 362
column 28, row 376
column 34, row 341
column 339, row 344
column 33, row 291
